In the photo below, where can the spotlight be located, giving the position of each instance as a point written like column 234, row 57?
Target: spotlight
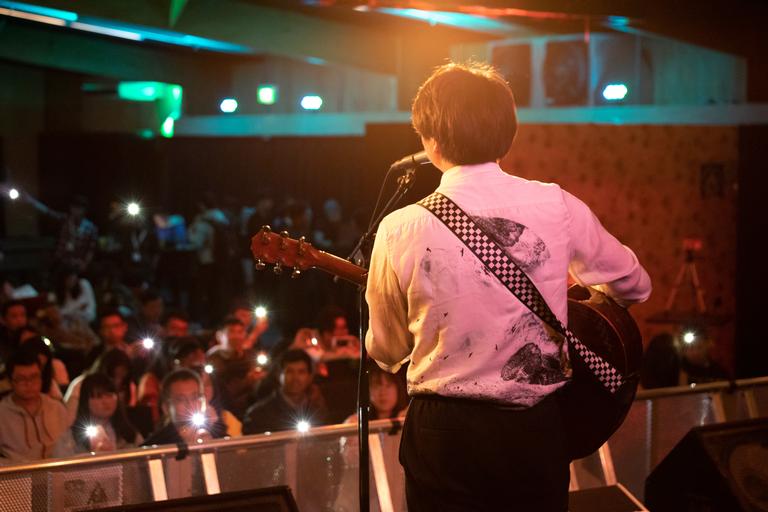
column 91, row 431
column 615, row 92
column 208, row 369
column 260, row 312
column 311, row 102
column 303, row 426
column 13, row 194
column 689, row 337
column 133, row 209
column 262, row 359
column 148, row 343
column 228, row 105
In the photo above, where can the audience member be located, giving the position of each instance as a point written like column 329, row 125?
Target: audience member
column 112, row 331
column 176, row 324
column 31, row 422
column 697, row 364
column 255, row 325
column 101, row 424
column 661, row 363
column 236, row 371
column 146, row 324
column 187, row 415
column 14, row 321
column 296, row 399
column 54, row 373
column 334, row 340
column 115, row 364
column 74, row 295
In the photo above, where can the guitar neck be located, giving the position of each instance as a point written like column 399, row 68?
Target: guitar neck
column 341, row 268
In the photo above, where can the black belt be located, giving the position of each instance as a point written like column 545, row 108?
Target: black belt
column 471, row 401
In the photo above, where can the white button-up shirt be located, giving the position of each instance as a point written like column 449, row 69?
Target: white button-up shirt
column 433, row 302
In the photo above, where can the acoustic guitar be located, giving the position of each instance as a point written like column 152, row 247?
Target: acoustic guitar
column 591, row 413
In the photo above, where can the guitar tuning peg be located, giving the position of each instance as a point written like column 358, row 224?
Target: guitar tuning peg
column 296, row 273
column 260, row 265
column 302, row 246
column 284, row 240
column 278, row 269
column 265, row 231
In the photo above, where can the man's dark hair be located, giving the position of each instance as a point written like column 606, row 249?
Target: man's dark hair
column 179, row 375
column 149, row 295
column 296, row 355
column 232, row 320
column 326, row 319
column 469, row 110
column 21, row 358
column 11, row 304
column 176, row 313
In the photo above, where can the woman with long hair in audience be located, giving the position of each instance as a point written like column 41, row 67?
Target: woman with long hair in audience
column 101, row 424
column 388, row 396
column 116, row 365
column 74, row 295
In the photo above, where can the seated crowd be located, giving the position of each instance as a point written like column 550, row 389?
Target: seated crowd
column 146, row 380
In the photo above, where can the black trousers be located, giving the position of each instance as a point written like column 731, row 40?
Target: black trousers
column 463, row 455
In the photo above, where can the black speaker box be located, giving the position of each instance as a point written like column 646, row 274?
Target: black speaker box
column 270, row 499
column 722, row 467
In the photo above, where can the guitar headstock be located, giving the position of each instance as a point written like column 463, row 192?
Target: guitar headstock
column 269, row 247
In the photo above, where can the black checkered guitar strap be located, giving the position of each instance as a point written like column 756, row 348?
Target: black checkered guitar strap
column 496, row 259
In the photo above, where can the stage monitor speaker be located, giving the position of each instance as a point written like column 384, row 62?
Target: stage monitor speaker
column 715, row 467
column 612, row 498
column 269, row 499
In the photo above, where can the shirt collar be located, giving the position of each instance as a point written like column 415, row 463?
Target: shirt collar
column 463, row 172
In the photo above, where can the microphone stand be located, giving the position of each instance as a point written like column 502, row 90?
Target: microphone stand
column 361, row 256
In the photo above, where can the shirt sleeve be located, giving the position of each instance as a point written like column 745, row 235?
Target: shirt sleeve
column 599, row 260
column 388, row 340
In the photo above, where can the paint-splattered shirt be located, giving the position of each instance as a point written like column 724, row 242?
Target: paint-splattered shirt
column 433, row 302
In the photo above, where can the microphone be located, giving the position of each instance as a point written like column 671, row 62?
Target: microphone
column 410, row 162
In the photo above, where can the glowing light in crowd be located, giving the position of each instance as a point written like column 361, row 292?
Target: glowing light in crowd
column 262, row 359
column 133, row 209
column 267, row 94
column 47, row 341
column 260, row 312
column 615, row 92
column 148, row 343
column 689, row 337
column 311, row 102
column 198, row 419
column 91, row 431
column 303, row 426
column 208, row 369
column 13, row 194
column 228, row 105
column 314, row 341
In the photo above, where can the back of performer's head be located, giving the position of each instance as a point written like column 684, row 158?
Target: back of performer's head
column 469, row 110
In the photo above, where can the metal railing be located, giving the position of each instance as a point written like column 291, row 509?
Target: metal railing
column 321, row 466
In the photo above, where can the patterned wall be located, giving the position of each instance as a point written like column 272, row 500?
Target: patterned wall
column 651, row 186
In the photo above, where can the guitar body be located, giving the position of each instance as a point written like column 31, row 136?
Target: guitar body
column 592, row 414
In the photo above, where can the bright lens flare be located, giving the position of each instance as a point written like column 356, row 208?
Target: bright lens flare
column 689, row 338
column 208, row 369
column 13, row 194
column 133, row 209
column 198, row 419
column 260, row 312
column 91, row 431
column 148, row 343
column 303, row 426
column 314, row 342
column 262, row 359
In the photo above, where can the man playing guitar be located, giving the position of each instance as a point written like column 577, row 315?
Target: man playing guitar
column 484, row 430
